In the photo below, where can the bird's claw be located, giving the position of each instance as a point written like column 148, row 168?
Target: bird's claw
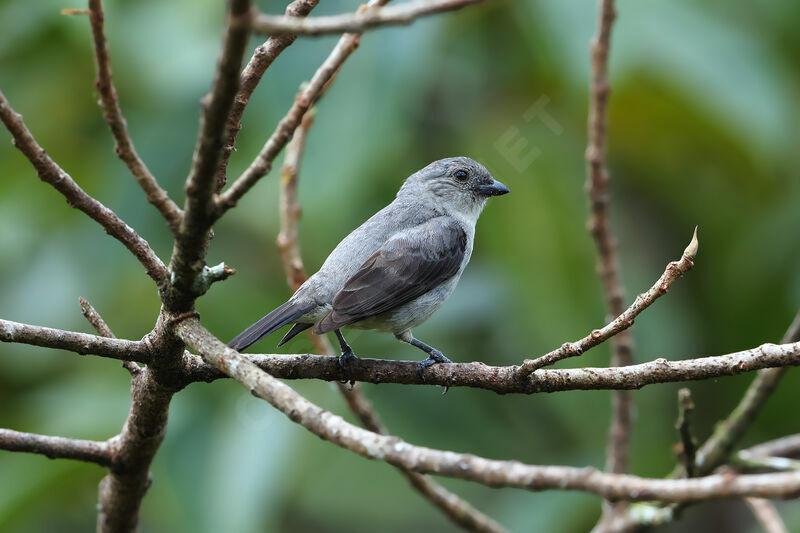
column 433, row 358
column 344, row 360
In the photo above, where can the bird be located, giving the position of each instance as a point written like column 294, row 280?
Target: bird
column 396, row 269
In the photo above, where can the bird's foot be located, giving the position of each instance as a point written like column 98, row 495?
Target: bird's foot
column 345, row 359
column 435, row 356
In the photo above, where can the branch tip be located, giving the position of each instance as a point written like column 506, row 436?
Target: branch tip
column 691, row 250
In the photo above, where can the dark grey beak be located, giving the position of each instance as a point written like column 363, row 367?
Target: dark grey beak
column 495, row 189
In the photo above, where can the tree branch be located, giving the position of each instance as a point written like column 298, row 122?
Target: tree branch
column 619, row 434
column 503, row 380
column 624, row 320
column 494, row 473
column 188, row 258
column 262, row 58
column 783, row 447
column 688, row 445
column 356, row 22
column 728, row 432
column 56, row 447
column 112, row 113
column 716, row 450
column 102, row 328
column 49, row 172
column 80, row 343
column 121, row 491
column 289, row 123
column 766, row 515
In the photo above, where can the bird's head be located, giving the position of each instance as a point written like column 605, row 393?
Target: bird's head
column 459, row 186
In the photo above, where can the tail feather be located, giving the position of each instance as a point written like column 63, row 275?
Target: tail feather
column 286, row 313
column 296, row 329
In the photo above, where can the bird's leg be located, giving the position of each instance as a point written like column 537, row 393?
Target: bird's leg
column 434, row 355
column 347, row 351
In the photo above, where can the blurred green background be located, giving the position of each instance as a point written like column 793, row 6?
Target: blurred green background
column 703, row 130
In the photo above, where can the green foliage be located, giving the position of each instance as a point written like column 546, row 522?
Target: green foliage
column 703, row 130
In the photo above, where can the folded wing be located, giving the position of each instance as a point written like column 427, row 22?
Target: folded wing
column 407, row 266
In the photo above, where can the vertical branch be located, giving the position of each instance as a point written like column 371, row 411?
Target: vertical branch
column 600, row 227
column 132, row 451
column 458, row 510
column 688, row 445
column 188, row 258
column 599, row 224
column 112, row 113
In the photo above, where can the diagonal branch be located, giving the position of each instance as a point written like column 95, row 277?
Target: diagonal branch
column 457, row 509
column 112, row 113
column 56, row 447
column 102, row 328
column 80, row 343
column 625, row 318
column 305, row 99
column 767, row 515
column 356, row 22
column 262, row 58
column 188, row 258
column 728, row 432
column 49, row 172
column 493, row 473
column 503, row 379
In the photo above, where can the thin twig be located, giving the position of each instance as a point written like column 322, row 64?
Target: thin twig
column 49, row 172
column 262, row 58
column 289, row 123
column 625, row 318
column 494, row 473
column 457, row 509
column 109, row 102
column 619, row 434
column 788, row 446
column 80, row 343
column 688, row 445
column 502, row 379
column 56, row 447
column 190, row 246
column 745, row 460
column 405, row 13
column 766, row 515
column 102, row 328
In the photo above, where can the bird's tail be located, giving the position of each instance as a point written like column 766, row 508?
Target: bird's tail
column 286, row 313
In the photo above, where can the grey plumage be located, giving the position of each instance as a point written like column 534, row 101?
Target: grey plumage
column 395, row 270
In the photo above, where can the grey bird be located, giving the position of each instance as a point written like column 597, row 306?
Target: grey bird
column 396, row 269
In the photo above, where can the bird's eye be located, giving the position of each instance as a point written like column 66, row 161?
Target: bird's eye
column 461, row 175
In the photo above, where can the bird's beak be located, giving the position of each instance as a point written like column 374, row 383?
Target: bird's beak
column 495, row 189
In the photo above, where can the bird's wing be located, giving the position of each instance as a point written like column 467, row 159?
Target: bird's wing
column 407, row 266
